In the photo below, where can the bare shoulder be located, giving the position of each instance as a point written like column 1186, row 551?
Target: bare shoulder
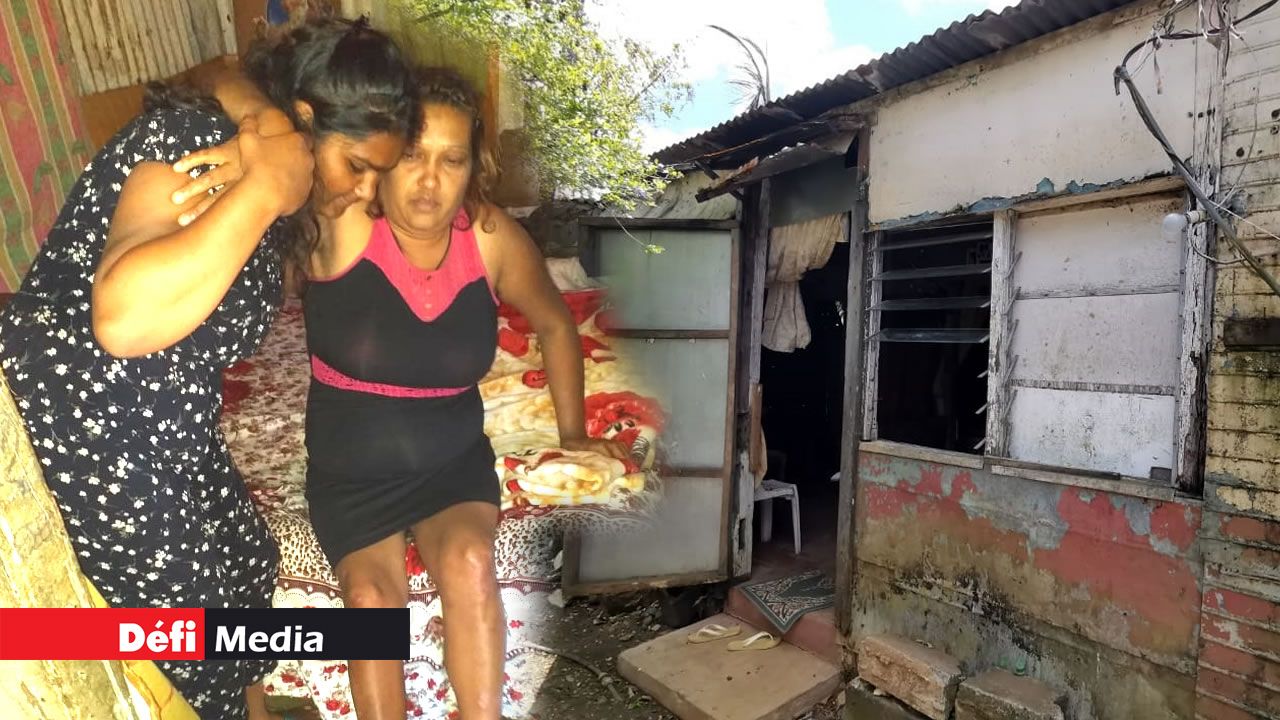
column 342, row 240
column 495, row 226
column 503, row 242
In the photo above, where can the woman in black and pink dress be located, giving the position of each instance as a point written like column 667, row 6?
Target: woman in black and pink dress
column 402, row 324
column 401, row 316
column 116, row 342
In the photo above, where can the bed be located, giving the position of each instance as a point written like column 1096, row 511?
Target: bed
column 545, row 493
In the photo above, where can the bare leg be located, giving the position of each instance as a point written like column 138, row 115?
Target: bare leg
column 456, row 546
column 374, row 577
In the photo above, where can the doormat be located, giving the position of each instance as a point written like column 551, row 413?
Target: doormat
column 785, row 600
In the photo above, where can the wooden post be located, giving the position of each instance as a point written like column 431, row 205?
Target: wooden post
column 227, row 14
column 1000, row 360
column 871, row 373
column 756, row 253
column 1198, row 276
column 755, row 259
column 846, row 517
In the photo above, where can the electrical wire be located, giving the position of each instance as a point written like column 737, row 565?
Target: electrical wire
column 1257, row 119
column 1122, row 76
column 1261, row 230
column 1258, row 11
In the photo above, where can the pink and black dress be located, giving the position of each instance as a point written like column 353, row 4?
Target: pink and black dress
column 395, row 423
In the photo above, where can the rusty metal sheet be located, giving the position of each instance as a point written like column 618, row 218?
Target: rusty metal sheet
column 119, row 43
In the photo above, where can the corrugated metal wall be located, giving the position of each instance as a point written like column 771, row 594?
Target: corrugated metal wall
column 118, row 43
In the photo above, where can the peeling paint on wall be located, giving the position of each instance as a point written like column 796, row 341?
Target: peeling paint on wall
column 1255, row 501
column 1045, row 190
column 974, row 144
column 1043, row 562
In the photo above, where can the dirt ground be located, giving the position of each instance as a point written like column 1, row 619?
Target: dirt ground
column 596, row 633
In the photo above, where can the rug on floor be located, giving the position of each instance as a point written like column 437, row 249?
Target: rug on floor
column 786, row 600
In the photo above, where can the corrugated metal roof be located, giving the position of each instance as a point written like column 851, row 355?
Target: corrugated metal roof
column 969, row 39
column 117, row 43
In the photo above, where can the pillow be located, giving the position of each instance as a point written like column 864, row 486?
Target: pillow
column 569, row 276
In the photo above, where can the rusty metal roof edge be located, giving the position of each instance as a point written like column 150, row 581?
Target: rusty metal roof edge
column 986, row 33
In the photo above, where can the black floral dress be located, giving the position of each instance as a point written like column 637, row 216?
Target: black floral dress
column 156, row 511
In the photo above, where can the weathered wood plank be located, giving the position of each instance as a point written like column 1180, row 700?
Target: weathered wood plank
column 1000, row 346
column 731, row 502
column 1122, row 340
column 1150, row 186
column 846, row 527
column 919, row 452
column 1197, row 291
column 1112, row 432
column 755, row 256
column 1121, row 485
column 855, row 360
column 1096, row 387
column 871, row 341
column 1251, row 333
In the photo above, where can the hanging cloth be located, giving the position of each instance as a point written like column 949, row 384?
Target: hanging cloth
column 793, row 251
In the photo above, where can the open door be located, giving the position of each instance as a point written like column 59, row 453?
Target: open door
column 676, row 313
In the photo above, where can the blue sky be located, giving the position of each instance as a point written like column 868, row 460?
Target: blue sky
column 806, row 41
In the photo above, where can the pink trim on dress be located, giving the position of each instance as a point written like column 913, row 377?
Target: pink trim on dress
column 462, row 264
column 462, row 223
column 333, row 378
column 427, row 292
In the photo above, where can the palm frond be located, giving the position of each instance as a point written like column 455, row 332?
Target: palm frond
column 755, row 71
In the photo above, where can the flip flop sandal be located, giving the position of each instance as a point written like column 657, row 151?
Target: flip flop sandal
column 712, row 632
column 759, row 641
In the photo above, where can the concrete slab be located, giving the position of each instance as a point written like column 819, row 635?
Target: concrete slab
column 707, row 682
column 999, row 695
column 861, row 703
column 924, row 678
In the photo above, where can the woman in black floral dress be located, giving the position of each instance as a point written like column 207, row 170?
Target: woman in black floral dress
column 115, row 344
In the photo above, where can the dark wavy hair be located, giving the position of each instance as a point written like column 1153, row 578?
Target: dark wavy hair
column 159, row 95
column 446, row 86
column 354, row 78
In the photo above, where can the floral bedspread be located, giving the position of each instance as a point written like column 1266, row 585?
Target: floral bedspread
column 545, row 491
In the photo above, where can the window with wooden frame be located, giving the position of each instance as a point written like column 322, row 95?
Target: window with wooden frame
column 930, row 325
column 1060, row 339
column 1092, row 336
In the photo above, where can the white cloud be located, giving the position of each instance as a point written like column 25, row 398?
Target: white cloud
column 916, row 7
column 795, row 35
column 654, row 139
column 828, row 65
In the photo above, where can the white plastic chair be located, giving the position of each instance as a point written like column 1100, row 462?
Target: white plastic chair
column 767, row 492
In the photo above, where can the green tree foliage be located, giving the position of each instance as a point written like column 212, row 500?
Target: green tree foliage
column 584, row 96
